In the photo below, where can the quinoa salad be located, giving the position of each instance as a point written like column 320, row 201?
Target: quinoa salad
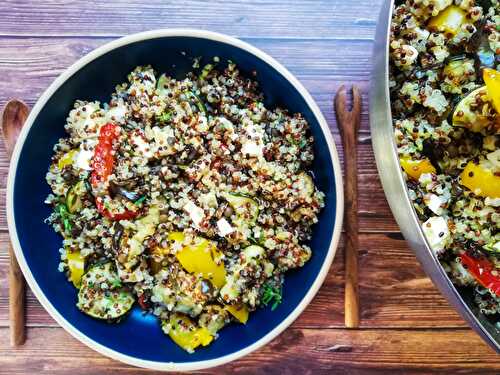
column 187, row 197
column 445, row 94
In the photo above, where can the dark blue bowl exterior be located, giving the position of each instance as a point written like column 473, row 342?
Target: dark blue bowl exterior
column 138, row 335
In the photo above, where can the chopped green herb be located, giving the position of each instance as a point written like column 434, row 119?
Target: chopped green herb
column 140, row 200
column 271, row 293
column 206, row 71
column 164, row 117
column 67, row 225
column 199, row 103
column 66, row 217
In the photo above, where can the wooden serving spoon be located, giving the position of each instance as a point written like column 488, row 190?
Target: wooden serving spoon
column 348, row 122
column 13, row 118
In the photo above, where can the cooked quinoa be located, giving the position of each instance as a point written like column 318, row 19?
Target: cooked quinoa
column 445, row 92
column 189, row 197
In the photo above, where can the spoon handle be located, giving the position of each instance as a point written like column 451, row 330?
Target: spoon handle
column 13, row 117
column 16, row 301
column 348, row 122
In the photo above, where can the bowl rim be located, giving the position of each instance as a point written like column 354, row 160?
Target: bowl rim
column 47, row 94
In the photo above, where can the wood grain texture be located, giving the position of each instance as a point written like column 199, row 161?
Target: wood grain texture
column 242, row 18
column 14, row 117
column 406, row 326
column 296, row 351
column 348, row 121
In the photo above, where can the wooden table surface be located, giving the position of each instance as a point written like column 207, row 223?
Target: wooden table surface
column 406, row 326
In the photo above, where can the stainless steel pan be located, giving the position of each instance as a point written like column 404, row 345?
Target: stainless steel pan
column 396, row 190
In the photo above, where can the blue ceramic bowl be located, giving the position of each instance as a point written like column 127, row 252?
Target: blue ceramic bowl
column 138, row 340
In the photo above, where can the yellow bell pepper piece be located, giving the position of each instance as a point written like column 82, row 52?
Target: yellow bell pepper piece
column 67, row 159
column 188, row 336
column 492, row 80
column 448, row 21
column 415, row 168
column 239, row 312
column 481, row 181
column 199, row 257
column 76, row 264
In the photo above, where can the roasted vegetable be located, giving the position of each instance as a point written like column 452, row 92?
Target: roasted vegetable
column 116, row 189
column 67, row 159
column 162, row 84
column 102, row 167
column 202, row 257
column 449, row 21
column 246, row 209
column 74, row 197
column 251, row 258
column 492, row 80
column 415, row 168
column 76, row 265
column 481, row 180
column 102, row 295
column 483, row 271
column 240, row 312
column 214, row 318
column 306, row 184
column 185, row 333
column 133, row 246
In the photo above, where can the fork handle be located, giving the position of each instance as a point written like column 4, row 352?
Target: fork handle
column 348, row 122
column 16, row 301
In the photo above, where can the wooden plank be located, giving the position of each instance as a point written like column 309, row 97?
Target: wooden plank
column 296, row 351
column 321, row 65
column 269, row 18
column 394, row 292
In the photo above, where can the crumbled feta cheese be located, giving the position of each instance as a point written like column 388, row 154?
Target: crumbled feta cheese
column 161, row 137
column 83, row 160
column 493, row 202
column 224, row 227
column 434, row 203
column 84, row 156
column 195, row 213
column 436, row 101
column 252, row 148
column 437, row 233
column 117, row 113
column 142, row 146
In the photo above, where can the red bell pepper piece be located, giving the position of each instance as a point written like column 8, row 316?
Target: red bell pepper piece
column 482, row 270
column 143, row 303
column 103, row 163
column 104, row 160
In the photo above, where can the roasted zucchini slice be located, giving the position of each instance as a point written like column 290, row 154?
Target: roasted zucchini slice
column 246, row 209
column 102, row 295
column 74, row 197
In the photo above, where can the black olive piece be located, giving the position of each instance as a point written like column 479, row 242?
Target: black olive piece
column 192, row 154
column 117, row 236
column 115, row 190
column 433, row 152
